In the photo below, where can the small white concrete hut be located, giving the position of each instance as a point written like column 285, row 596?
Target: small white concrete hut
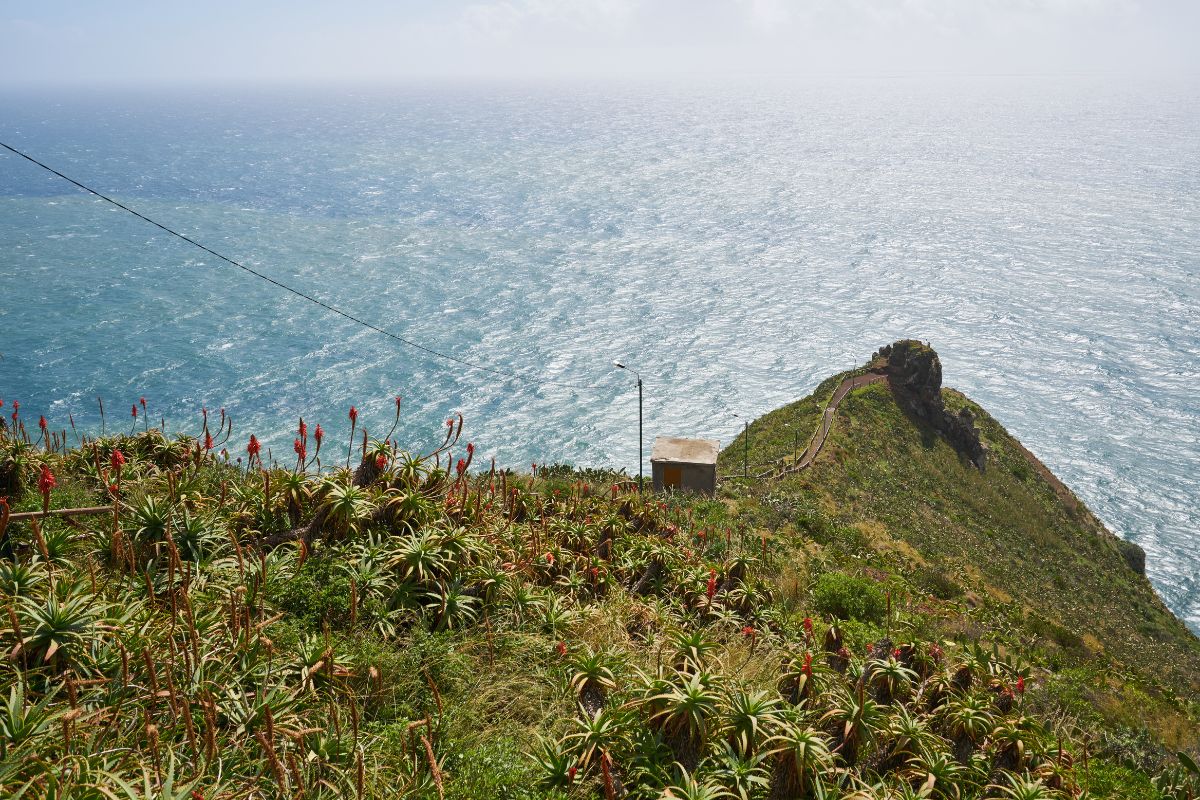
column 688, row 465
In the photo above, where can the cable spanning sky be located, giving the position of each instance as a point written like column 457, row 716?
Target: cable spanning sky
column 138, row 41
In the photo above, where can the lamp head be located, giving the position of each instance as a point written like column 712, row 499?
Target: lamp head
column 618, row 365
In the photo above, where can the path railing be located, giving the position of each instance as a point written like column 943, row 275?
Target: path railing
column 817, row 442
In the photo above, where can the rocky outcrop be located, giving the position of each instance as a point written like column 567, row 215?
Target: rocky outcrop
column 915, row 374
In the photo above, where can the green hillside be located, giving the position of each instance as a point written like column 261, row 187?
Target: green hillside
column 891, row 622
column 1009, row 553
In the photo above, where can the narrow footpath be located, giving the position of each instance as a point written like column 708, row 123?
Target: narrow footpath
column 822, row 433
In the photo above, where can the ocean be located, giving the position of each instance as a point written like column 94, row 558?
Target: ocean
column 735, row 242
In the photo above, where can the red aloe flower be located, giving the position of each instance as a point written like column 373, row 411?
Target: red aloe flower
column 1020, row 684
column 142, row 401
column 712, row 584
column 807, row 668
column 353, row 424
column 42, row 423
column 571, row 774
column 303, row 429
column 208, row 441
column 116, row 461
column 461, row 467
column 134, row 411
column 470, row 449
column 748, row 630
column 318, row 434
column 300, row 448
column 561, row 647
column 45, row 483
column 549, row 558
column 395, row 422
column 380, row 461
column 808, row 626
column 254, row 447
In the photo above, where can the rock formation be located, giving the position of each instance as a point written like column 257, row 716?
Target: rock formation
column 915, row 374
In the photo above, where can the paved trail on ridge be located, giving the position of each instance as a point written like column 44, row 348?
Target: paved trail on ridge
column 818, row 440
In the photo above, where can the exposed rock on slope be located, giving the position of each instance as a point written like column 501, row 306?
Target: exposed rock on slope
column 915, row 373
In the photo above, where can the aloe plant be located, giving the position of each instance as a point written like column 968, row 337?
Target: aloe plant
column 801, row 758
column 591, row 677
column 686, row 711
column 748, row 717
column 58, row 630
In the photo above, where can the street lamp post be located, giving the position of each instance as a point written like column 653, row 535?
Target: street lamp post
column 641, row 457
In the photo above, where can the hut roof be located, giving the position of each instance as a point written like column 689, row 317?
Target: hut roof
column 686, row 451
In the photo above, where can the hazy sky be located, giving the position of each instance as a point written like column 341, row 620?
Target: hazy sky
column 85, row 41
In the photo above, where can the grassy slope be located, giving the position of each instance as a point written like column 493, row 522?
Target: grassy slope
column 1027, row 563
column 998, row 557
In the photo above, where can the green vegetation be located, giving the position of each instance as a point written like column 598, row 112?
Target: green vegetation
column 848, row 597
column 1006, row 555
column 891, row 623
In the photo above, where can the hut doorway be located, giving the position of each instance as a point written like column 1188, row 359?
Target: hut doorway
column 673, row 477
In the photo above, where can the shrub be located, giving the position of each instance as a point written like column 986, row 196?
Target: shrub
column 938, row 584
column 319, row 592
column 849, row 597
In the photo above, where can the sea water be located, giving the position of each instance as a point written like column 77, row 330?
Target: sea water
column 734, row 242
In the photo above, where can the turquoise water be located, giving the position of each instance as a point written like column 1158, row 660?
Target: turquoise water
column 734, row 243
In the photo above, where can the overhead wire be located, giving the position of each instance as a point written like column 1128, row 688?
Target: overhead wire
column 497, row 371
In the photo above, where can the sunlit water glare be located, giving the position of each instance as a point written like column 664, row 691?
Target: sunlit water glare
column 734, row 243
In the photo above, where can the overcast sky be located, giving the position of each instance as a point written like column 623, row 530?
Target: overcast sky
column 59, row 41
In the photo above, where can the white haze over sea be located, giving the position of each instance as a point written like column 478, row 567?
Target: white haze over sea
column 737, row 243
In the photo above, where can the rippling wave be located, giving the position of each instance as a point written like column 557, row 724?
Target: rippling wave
column 735, row 244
